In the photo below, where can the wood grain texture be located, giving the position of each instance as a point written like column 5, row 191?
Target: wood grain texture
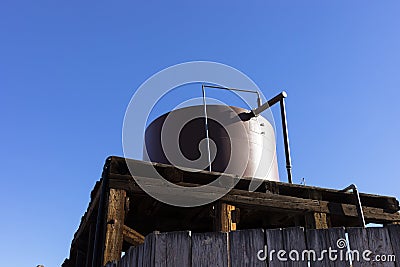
column 294, row 239
column 291, row 204
column 317, row 220
column 265, row 200
column 159, row 249
column 286, row 203
column 376, row 240
column 132, row 237
column 119, row 166
column 274, row 242
column 140, row 256
column 394, row 232
column 149, row 250
column 133, row 256
column 90, row 212
column 285, row 240
column 115, row 223
column 129, row 259
column 323, row 239
column 125, row 260
column 178, row 248
column 223, row 217
column 240, row 248
column 243, row 247
column 210, row 249
column 90, row 244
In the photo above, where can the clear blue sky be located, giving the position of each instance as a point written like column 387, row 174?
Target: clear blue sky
column 69, row 68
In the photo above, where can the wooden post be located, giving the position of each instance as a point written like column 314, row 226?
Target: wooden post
column 224, row 220
column 115, row 223
column 317, row 220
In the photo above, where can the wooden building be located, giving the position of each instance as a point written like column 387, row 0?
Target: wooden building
column 120, row 214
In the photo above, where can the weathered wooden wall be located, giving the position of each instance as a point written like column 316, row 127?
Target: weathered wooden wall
column 239, row 248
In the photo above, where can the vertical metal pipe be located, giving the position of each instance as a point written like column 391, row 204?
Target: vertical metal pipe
column 286, row 140
column 206, row 126
column 259, row 103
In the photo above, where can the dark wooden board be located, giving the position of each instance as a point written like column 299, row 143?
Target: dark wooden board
column 210, row 249
column 134, row 255
column 159, row 248
column 323, row 239
column 265, row 200
column 118, row 165
column 394, row 232
column 294, row 239
column 131, row 257
column 375, row 239
column 140, row 255
column 285, row 240
column 154, row 250
column 273, row 241
column 243, row 247
column 178, row 246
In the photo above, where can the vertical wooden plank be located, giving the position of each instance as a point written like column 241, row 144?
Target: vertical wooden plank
column 379, row 240
column 210, row 249
column 89, row 254
column 329, row 245
column 394, row 233
column 159, row 250
column 130, row 261
column 274, row 242
column 140, row 256
column 115, row 223
column 358, row 240
column 223, row 221
column 148, row 259
column 131, row 236
column 80, row 257
column 178, row 246
column 125, row 260
column 154, row 250
column 133, row 256
column 121, row 262
column 282, row 245
column 243, row 247
column 294, row 239
column 374, row 239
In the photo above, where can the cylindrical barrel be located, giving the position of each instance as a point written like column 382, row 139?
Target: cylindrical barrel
column 238, row 144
